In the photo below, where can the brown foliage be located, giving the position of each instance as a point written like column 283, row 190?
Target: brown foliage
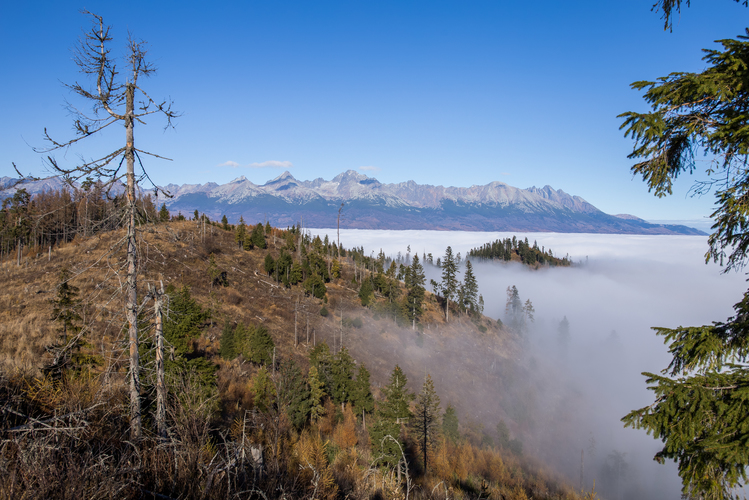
column 310, row 460
column 345, row 432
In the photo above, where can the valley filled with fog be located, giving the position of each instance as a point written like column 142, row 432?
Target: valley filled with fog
column 619, row 287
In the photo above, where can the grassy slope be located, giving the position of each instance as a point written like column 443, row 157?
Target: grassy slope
column 473, row 370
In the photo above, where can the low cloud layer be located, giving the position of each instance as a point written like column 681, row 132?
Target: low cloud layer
column 621, row 286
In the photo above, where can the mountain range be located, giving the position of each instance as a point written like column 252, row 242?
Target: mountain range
column 370, row 204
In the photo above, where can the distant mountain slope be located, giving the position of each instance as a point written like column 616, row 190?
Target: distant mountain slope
column 370, row 204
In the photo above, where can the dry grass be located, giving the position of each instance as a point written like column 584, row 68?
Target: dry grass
column 177, row 254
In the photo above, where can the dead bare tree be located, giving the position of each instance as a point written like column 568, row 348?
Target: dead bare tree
column 159, row 296
column 114, row 101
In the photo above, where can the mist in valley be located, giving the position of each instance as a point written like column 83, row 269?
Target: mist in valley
column 564, row 394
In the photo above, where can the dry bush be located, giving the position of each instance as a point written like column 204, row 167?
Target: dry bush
column 309, row 461
column 440, row 459
column 328, row 422
column 210, row 245
column 235, row 390
column 233, row 298
column 344, row 435
column 348, row 474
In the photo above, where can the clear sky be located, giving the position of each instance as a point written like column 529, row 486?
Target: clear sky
column 452, row 93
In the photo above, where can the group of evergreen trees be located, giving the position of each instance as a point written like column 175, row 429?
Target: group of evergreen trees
column 246, row 238
column 516, row 249
column 518, row 314
column 465, row 295
column 253, row 342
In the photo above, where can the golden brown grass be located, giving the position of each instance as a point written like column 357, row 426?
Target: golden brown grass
column 328, row 460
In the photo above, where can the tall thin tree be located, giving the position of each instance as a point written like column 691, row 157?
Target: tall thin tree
column 113, row 101
column 426, row 421
column 449, row 279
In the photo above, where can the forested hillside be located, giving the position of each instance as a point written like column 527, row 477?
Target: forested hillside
column 293, row 367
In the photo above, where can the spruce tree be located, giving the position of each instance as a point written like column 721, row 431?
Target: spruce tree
column 316, row 394
column 449, row 283
column 315, row 286
column 241, row 233
column 258, row 237
column 397, row 398
column 182, row 327
column 67, row 351
column 293, row 395
column 450, row 424
column 394, row 410
column 163, row 213
column 386, row 443
column 269, row 264
column 528, row 312
column 701, row 412
column 414, row 299
column 321, row 358
column 65, row 307
column 362, row 391
column 470, row 289
column 228, row 347
column 342, row 374
column 426, row 418
column 365, row 292
column 260, row 346
column 513, row 308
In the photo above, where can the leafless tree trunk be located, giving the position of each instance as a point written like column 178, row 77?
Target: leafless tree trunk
column 160, row 382
column 108, row 97
column 132, row 260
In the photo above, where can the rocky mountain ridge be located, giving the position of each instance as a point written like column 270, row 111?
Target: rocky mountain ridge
column 370, row 204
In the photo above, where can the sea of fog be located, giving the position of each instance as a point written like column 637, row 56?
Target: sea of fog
column 620, row 287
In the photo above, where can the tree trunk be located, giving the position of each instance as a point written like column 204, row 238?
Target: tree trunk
column 160, row 382
column 425, row 441
column 132, row 292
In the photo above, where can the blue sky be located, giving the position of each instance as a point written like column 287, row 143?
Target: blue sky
column 451, row 93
